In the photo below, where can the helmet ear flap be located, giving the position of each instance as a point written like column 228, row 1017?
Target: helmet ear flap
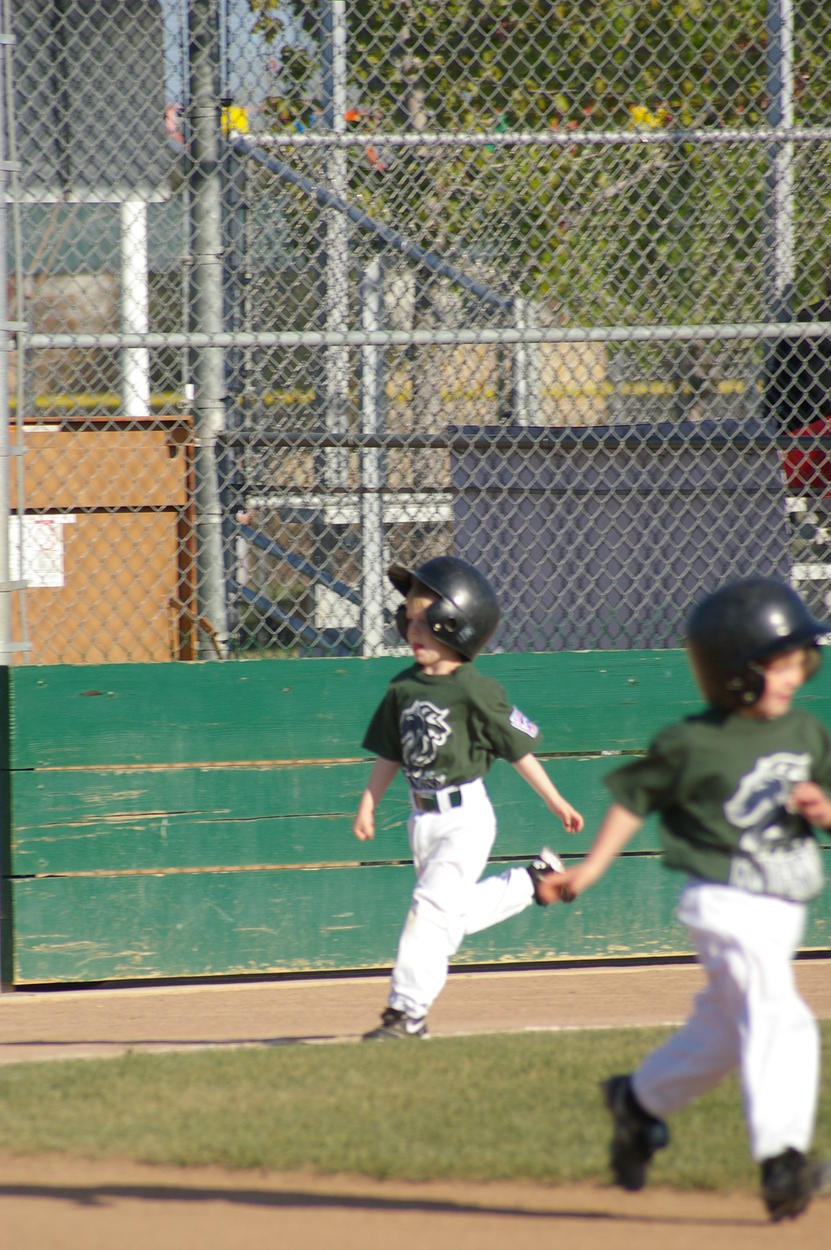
column 446, row 624
column 440, row 617
column 745, row 688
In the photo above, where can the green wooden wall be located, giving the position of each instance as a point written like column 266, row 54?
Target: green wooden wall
column 180, row 820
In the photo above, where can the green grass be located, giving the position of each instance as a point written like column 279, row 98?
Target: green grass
column 521, row 1106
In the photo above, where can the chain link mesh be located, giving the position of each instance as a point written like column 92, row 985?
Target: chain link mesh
column 302, row 289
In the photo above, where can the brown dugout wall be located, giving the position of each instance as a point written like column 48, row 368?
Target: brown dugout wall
column 172, row 820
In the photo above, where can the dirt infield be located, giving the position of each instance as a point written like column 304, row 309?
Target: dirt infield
column 64, row 1204
column 77, row 1206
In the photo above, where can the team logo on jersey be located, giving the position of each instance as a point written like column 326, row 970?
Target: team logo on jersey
column 763, row 792
column 521, row 722
column 775, row 854
column 424, row 729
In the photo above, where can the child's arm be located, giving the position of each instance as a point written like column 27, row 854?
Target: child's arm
column 383, row 771
column 532, row 771
column 616, row 828
column 811, row 801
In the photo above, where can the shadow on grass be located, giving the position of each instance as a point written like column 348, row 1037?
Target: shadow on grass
column 124, row 1045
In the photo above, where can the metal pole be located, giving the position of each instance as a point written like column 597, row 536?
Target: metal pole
column 372, row 422
column 336, row 380
column 135, row 308
column 206, row 310
column 779, row 189
column 727, row 331
column 5, row 522
column 229, row 463
column 525, row 406
column 5, row 348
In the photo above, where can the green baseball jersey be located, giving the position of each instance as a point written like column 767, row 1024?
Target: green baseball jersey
column 720, row 783
column 447, row 730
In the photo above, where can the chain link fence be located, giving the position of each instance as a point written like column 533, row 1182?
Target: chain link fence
column 295, row 290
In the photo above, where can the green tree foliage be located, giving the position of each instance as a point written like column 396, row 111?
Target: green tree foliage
column 612, row 232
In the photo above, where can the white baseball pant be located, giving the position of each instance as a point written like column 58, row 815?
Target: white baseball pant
column 749, row 1016
column 450, row 850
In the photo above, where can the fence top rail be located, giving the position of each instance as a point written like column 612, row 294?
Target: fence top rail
column 543, row 138
column 722, row 331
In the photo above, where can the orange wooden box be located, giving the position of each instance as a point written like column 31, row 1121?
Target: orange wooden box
column 108, row 541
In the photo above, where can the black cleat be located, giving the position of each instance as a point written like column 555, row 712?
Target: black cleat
column 789, row 1182
column 396, row 1024
column 542, row 866
column 637, row 1134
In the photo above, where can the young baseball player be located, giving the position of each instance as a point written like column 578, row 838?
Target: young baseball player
column 739, row 789
column 443, row 723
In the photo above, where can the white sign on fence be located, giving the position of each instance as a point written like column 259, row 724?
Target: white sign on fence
column 38, row 558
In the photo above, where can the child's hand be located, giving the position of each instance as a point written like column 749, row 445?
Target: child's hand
column 572, row 882
column 572, row 820
column 558, row 887
column 364, row 827
column 811, row 801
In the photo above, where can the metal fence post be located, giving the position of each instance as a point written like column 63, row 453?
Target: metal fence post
column 333, row 21
column 779, row 182
column 206, row 312
column 135, row 307
column 525, row 371
column 5, row 588
column 372, row 499
column 5, row 524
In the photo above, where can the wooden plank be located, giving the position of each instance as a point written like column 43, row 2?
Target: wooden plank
column 81, row 929
column 68, row 716
column 599, row 700
column 6, row 929
column 316, row 709
column 138, row 819
column 142, row 819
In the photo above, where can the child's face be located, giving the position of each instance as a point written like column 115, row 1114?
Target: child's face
column 784, row 674
column 435, row 657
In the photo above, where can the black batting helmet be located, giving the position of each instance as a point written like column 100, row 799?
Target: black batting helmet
column 732, row 631
column 466, row 611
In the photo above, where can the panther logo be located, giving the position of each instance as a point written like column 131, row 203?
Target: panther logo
column 774, row 854
column 764, row 791
column 424, row 729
